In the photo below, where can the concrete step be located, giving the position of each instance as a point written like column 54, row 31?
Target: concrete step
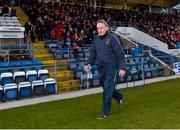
column 44, row 56
column 66, row 86
column 41, row 51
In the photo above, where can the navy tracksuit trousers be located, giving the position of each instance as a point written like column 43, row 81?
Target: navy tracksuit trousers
column 108, row 80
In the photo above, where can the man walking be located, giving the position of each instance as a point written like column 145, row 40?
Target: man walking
column 107, row 53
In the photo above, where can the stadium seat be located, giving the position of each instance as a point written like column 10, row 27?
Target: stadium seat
column 78, row 71
column 1, row 93
column 10, row 91
column 24, row 89
column 6, row 78
column 58, row 54
column 95, row 80
column 19, row 76
column 159, row 68
column 72, row 65
column 86, row 82
column 178, row 44
column 147, row 71
column 38, row 87
column 154, row 70
column 31, row 75
column 137, row 51
column 50, row 86
column 66, row 53
column 43, row 74
column 134, row 72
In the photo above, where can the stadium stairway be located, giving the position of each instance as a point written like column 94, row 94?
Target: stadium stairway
column 64, row 77
column 58, row 69
column 21, row 15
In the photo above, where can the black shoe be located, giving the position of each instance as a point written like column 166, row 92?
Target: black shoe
column 101, row 116
column 120, row 103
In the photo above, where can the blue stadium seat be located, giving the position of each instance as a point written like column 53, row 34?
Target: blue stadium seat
column 19, row 76
column 78, row 71
column 1, row 93
column 147, row 71
column 178, row 44
column 154, row 70
column 134, row 72
column 31, row 75
column 66, row 53
column 10, row 91
column 43, row 74
column 58, row 54
column 137, row 51
column 38, row 87
column 159, row 68
column 6, row 78
column 86, row 82
column 95, row 80
column 50, row 86
column 24, row 89
column 72, row 65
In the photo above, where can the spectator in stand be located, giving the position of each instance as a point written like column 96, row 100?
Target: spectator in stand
column 178, row 36
column 68, row 42
column 58, row 28
column 47, row 27
column 5, row 10
column 27, row 26
column 32, row 33
column 40, row 31
column 75, row 50
column 53, row 35
column 13, row 11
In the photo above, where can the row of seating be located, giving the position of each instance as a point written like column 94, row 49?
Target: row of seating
column 8, row 18
column 65, row 53
column 11, row 47
column 26, row 89
column 9, row 21
column 150, row 68
column 25, row 84
column 22, row 76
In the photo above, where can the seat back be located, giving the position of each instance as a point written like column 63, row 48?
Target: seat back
column 19, row 76
column 6, row 78
column 50, row 86
column 38, row 87
column 31, row 75
column 43, row 74
column 24, row 89
column 10, row 91
column 1, row 93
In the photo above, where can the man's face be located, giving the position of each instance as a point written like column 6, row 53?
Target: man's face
column 102, row 29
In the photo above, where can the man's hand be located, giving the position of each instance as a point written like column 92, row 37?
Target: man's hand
column 122, row 73
column 87, row 67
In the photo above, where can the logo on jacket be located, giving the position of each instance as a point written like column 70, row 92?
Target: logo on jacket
column 107, row 41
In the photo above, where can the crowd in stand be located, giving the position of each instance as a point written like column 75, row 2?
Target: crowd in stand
column 75, row 25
